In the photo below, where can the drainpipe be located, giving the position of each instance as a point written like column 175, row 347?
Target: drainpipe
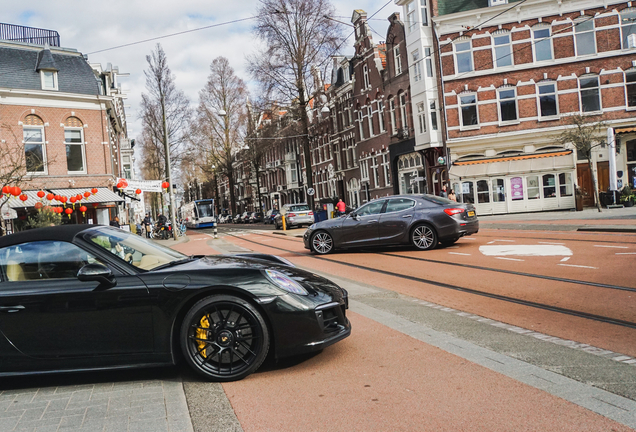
column 611, row 143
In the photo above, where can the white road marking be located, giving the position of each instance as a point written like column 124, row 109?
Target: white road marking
column 552, row 243
column 466, row 238
column 579, row 266
column 525, row 250
column 511, row 241
column 458, row 253
column 509, row 259
column 565, row 259
column 625, row 253
column 615, row 247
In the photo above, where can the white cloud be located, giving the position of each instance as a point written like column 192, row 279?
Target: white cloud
column 90, row 26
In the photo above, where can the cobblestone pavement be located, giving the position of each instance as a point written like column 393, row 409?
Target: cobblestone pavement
column 154, row 403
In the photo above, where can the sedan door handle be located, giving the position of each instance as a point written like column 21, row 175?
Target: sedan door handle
column 17, row 308
column 371, row 221
column 405, row 216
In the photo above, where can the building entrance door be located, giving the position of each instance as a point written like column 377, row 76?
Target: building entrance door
column 602, row 168
column 584, row 180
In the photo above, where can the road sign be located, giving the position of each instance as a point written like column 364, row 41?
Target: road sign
column 311, row 191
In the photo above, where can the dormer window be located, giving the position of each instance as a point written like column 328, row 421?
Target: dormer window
column 49, row 79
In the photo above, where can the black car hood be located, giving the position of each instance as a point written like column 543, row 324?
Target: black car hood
column 312, row 282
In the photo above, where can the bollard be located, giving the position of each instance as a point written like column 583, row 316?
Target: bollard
column 284, row 226
column 215, row 232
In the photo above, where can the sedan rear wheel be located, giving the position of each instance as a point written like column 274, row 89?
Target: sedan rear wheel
column 424, row 237
column 322, row 243
column 224, row 338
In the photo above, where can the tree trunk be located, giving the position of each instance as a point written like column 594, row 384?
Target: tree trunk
column 306, row 148
column 230, row 180
column 596, row 197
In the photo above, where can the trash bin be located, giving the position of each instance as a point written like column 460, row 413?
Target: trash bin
column 320, row 216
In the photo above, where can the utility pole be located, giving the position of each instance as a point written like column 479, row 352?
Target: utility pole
column 173, row 215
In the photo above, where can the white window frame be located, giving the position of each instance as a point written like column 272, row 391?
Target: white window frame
column 385, row 166
column 580, row 32
column 405, row 123
column 581, row 90
column 394, row 127
column 556, row 99
column 424, row 11
column 542, row 40
column 381, row 116
column 360, row 124
column 429, row 62
column 43, row 74
column 397, row 60
column 462, row 104
column 417, row 65
column 421, row 117
column 631, row 72
column 370, row 120
column 432, row 104
column 507, row 59
column 376, row 172
column 411, row 18
column 83, row 148
column 42, row 144
column 507, row 99
column 624, row 16
column 365, row 74
column 364, row 169
column 462, row 52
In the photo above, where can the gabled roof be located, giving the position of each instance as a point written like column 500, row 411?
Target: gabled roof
column 20, row 64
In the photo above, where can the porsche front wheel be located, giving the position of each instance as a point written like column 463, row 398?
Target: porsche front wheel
column 224, row 338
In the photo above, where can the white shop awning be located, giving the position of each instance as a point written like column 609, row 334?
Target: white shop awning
column 542, row 162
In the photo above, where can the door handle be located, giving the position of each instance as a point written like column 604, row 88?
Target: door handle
column 17, row 308
column 371, row 221
column 407, row 216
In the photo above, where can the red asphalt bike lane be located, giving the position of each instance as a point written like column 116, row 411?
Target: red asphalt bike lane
column 379, row 379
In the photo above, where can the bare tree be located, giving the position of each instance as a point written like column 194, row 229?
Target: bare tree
column 298, row 34
column 163, row 97
column 220, row 122
column 585, row 137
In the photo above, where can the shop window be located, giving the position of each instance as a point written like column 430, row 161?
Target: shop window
column 464, row 56
column 584, row 35
column 498, row 191
column 503, row 50
column 542, row 44
column 468, row 106
column 533, row 187
column 565, row 184
column 547, row 99
column 628, row 25
column 630, row 87
column 590, row 94
column 483, row 194
column 468, row 193
column 549, row 186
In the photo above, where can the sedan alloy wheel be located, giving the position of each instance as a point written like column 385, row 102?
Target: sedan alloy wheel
column 423, row 237
column 224, row 338
column 322, row 242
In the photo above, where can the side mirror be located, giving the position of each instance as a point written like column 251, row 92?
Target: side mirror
column 97, row 273
column 354, row 216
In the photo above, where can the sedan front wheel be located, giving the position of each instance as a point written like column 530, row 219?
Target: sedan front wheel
column 424, row 237
column 322, row 243
column 224, row 338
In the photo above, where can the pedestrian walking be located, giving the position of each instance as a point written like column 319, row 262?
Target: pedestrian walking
column 443, row 192
column 115, row 222
column 341, row 208
column 452, row 196
column 147, row 224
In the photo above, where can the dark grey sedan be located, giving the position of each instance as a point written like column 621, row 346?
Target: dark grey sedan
column 420, row 220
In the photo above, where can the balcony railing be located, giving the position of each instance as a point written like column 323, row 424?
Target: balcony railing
column 18, row 33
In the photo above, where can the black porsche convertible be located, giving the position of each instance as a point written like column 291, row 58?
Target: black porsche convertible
column 81, row 297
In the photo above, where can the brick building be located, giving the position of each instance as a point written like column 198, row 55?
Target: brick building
column 509, row 85
column 69, row 121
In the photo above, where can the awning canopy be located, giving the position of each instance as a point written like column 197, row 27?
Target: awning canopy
column 103, row 195
column 514, row 165
column 625, row 129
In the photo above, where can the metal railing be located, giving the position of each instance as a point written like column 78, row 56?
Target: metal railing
column 18, row 33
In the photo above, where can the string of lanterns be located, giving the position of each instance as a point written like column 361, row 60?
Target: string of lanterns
column 47, row 200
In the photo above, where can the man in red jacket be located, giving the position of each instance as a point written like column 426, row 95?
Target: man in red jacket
column 340, row 208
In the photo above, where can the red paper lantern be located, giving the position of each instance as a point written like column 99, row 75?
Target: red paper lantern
column 73, row 199
column 94, row 191
column 138, row 191
column 6, row 190
column 58, row 210
column 165, row 185
column 38, row 205
column 63, row 200
column 50, row 196
column 83, row 210
column 68, row 211
column 95, row 205
column 15, row 191
column 87, row 194
column 23, row 197
column 120, row 185
column 41, row 194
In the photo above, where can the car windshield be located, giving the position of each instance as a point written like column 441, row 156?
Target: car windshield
column 138, row 251
column 297, row 208
column 438, row 200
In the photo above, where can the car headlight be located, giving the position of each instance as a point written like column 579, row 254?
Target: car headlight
column 285, row 283
column 312, row 226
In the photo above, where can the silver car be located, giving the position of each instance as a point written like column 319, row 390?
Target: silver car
column 295, row 215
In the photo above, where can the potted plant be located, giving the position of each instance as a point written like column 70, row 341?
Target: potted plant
column 627, row 196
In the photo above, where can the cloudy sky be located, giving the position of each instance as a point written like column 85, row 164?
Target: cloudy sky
column 91, row 27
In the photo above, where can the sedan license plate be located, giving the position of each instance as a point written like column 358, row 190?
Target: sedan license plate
column 471, row 214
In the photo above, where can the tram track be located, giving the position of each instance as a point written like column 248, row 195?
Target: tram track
column 536, row 305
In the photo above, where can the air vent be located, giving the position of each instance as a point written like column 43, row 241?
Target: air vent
column 497, row 2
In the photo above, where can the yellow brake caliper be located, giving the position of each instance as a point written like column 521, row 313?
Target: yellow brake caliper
column 202, row 333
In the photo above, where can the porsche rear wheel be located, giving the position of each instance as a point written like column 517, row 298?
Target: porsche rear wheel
column 224, row 338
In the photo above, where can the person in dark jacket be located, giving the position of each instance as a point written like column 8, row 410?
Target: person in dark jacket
column 147, row 225
column 115, row 222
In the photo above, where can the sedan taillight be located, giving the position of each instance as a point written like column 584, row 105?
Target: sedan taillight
column 310, row 213
column 453, row 211
column 291, row 215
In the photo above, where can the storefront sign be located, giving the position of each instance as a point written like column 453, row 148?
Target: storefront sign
column 144, row 185
column 8, row 213
column 516, row 185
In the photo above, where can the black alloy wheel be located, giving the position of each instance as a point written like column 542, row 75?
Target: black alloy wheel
column 423, row 237
column 322, row 242
column 224, row 338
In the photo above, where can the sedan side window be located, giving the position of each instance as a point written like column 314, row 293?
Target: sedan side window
column 374, row 207
column 399, row 204
column 43, row 260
